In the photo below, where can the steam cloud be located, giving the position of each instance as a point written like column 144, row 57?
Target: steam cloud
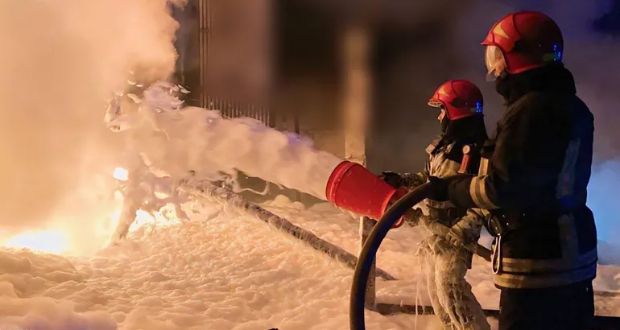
column 61, row 60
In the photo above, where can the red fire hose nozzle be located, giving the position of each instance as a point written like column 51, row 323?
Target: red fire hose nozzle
column 354, row 188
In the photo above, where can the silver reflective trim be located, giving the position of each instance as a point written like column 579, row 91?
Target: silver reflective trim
column 473, row 191
column 478, row 193
column 554, row 265
column 431, row 147
column 544, row 281
column 442, row 167
column 484, row 167
column 571, row 259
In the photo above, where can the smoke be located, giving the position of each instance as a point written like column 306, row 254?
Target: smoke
column 61, row 60
column 603, row 198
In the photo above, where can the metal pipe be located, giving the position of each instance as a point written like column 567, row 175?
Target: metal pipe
column 226, row 196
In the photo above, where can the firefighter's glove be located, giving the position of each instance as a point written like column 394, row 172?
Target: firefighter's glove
column 439, row 189
column 392, row 178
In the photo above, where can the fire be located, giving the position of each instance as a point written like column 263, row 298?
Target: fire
column 58, row 240
column 143, row 218
column 157, row 219
column 50, row 241
column 121, row 174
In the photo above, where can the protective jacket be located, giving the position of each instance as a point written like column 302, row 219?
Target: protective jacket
column 446, row 159
column 534, row 179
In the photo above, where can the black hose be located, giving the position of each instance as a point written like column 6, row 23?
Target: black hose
column 369, row 251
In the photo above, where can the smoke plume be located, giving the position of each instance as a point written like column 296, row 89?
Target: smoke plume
column 61, row 60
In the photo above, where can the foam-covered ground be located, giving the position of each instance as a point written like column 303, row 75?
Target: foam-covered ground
column 397, row 256
column 222, row 270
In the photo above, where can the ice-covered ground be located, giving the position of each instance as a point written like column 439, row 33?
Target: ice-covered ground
column 222, row 270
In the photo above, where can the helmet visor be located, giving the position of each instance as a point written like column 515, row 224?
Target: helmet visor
column 494, row 61
column 435, row 103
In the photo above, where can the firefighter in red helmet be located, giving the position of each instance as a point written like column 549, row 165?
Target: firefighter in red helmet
column 534, row 181
column 462, row 124
column 455, row 151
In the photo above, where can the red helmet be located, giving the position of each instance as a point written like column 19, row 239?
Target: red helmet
column 522, row 41
column 460, row 99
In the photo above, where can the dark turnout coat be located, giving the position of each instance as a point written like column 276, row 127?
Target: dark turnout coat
column 534, row 182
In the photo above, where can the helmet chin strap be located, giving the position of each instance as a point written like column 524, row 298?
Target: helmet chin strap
column 492, row 77
column 445, row 123
column 502, row 85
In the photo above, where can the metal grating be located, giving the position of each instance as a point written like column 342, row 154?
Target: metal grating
column 229, row 108
column 204, row 9
column 233, row 109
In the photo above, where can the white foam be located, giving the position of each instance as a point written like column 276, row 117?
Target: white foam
column 177, row 141
column 231, row 272
column 221, row 272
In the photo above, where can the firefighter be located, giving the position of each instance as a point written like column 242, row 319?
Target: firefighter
column 534, row 184
column 456, row 150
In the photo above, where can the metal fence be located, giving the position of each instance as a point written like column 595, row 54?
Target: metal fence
column 205, row 24
column 228, row 108
column 233, row 109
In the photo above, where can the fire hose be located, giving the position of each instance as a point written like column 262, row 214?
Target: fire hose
column 376, row 236
column 369, row 251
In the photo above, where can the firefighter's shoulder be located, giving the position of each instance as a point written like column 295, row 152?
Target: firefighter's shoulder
column 435, row 144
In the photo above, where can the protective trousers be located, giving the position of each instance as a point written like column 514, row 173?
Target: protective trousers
column 569, row 307
column 451, row 296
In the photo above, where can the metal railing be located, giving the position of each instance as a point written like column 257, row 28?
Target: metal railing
column 235, row 109
column 205, row 24
column 228, row 108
